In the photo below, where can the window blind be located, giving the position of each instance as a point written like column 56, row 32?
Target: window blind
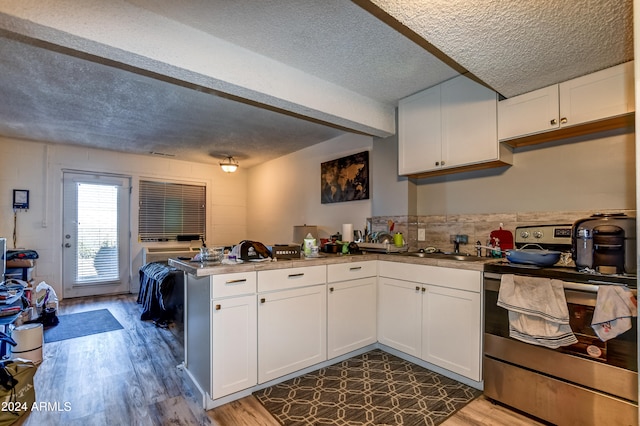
column 97, row 256
column 170, row 209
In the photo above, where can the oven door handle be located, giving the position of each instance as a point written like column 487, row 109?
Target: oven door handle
column 590, row 286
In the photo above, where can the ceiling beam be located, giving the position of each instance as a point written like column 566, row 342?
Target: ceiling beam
column 120, row 34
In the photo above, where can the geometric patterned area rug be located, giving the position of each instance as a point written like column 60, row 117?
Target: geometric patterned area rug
column 81, row 324
column 375, row 388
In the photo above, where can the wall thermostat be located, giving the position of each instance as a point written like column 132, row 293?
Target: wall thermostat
column 21, row 199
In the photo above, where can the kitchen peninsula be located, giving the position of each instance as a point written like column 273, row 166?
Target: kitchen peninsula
column 251, row 325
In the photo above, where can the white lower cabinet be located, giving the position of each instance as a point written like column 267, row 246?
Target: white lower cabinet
column 220, row 332
column 245, row 329
column 451, row 330
column 234, row 348
column 292, row 330
column 351, row 315
column 351, row 306
column 436, row 318
column 399, row 313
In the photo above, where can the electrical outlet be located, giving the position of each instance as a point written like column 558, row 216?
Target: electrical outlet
column 422, row 234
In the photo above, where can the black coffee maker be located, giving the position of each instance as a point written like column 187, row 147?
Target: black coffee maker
column 608, row 249
column 605, row 243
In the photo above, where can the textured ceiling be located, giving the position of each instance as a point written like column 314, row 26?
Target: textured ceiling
column 61, row 98
column 335, row 40
column 149, row 75
column 519, row 46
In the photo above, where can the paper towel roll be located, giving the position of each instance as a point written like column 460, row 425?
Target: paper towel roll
column 347, row 232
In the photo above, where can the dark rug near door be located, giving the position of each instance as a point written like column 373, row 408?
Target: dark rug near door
column 81, row 324
column 375, row 388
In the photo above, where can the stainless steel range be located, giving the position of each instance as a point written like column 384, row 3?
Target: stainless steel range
column 588, row 383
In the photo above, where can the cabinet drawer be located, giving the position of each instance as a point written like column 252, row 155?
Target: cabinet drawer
column 226, row 285
column 402, row 271
column 461, row 279
column 351, row 271
column 280, row 279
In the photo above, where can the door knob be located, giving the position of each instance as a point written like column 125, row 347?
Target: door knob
column 67, row 245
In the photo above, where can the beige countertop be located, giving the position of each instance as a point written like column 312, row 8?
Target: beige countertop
column 208, row 268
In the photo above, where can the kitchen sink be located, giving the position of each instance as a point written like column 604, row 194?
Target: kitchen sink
column 449, row 256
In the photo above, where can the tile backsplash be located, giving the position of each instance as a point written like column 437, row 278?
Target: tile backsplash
column 439, row 228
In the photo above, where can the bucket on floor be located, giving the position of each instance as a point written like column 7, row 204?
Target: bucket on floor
column 29, row 339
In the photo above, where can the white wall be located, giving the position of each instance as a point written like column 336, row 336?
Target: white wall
column 286, row 192
column 576, row 174
column 393, row 195
column 38, row 167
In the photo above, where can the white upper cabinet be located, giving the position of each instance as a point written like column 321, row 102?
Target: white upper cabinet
column 530, row 113
column 469, row 123
column 603, row 94
column 591, row 98
column 448, row 127
column 420, row 133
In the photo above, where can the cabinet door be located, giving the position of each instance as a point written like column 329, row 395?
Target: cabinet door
column 292, row 331
column 399, row 311
column 527, row 114
column 419, row 140
column 469, row 123
column 351, row 316
column 451, row 326
column 234, row 345
column 603, row 94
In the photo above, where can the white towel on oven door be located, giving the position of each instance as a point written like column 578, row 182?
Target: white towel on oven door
column 614, row 308
column 538, row 312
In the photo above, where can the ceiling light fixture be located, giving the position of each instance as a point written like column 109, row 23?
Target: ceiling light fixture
column 229, row 165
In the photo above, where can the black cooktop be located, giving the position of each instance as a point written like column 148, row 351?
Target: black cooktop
column 564, row 273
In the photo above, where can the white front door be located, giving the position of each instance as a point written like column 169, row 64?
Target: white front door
column 95, row 234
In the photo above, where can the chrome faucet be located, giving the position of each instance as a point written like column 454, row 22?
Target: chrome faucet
column 457, row 240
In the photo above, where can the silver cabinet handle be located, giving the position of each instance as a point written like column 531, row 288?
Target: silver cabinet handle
column 236, row 281
column 296, row 275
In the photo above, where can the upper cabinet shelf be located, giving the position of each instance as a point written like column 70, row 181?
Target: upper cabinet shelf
column 449, row 128
column 596, row 102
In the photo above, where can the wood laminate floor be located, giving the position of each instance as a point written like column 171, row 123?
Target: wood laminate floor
column 130, row 377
